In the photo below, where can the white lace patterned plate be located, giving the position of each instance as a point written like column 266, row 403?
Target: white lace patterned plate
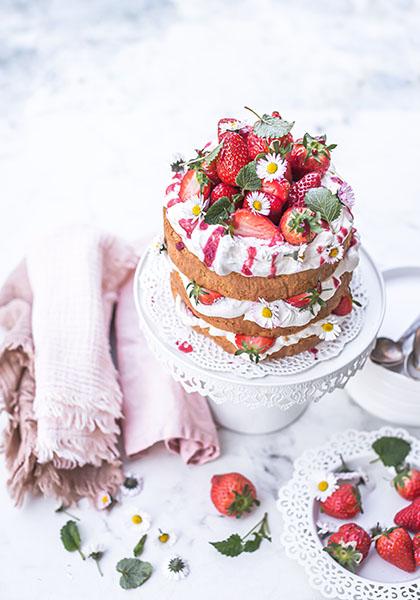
column 212, row 371
column 376, row 579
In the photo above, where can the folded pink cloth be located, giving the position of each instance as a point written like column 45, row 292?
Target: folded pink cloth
column 155, row 407
column 58, row 383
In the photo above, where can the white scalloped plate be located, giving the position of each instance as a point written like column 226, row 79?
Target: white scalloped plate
column 376, row 579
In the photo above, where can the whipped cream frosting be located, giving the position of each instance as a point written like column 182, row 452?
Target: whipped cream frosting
column 250, row 256
column 189, row 319
column 286, row 314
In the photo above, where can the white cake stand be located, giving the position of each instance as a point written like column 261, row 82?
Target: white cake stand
column 268, row 403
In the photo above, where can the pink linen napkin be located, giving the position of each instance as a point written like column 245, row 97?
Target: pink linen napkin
column 58, row 384
column 155, row 407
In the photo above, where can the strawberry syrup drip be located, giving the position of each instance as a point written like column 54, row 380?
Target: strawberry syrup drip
column 184, row 347
column 211, row 246
column 314, row 351
column 247, row 266
column 273, row 271
column 336, row 282
column 188, row 225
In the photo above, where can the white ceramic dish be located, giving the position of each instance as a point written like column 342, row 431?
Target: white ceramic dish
column 386, row 394
column 376, row 578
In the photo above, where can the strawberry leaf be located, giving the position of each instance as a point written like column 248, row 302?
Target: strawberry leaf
column 232, row 546
column 268, row 127
column 134, row 572
column 209, row 158
column 253, row 544
column 70, row 537
column 247, row 178
column 139, row 547
column 219, row 212
column 324, row 202
column 391, row 450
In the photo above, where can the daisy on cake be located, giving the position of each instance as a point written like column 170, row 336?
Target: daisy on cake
column 259, row 232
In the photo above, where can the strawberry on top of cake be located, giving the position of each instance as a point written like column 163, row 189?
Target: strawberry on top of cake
column 259, row 218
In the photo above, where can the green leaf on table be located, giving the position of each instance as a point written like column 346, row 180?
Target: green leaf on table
column 139, row 547
column 247, row 178
column 392, row 450
column 253, row 544
column 231, row 547
column 323, row 201
column 134, row 572
column 70, row 536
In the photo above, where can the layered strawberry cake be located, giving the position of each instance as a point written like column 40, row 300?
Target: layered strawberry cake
column 259, row 233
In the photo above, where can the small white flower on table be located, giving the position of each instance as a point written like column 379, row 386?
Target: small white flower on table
column 176, row 568
column 166, row 538
column 104, row 500
column 95, row 550
column 132, row 485
column 137, row 520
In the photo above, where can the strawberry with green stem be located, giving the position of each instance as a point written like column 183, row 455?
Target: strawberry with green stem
column 233, row 494
column 344, row 503
column 253, row 345
column 409, row 517
column 349, row 546
column 308, row 300
column 269, row 133
column 300, row 225
column 202, row 295
column 310, row 154
column 396, row 547
column 392, row 452
column 345, row 305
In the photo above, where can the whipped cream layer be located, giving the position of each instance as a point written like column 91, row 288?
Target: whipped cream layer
column 189, row 319
column 252, row 257
column 286, row 314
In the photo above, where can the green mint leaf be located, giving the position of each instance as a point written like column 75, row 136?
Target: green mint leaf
column 134, row 572
column 324, row 202
column 247, row 178
column 70, row 536
column 269, row 126
column 209, row 158
column 231, row 547
column 220, row 211
column 139, row 547
column 391, row 450
column 253, row 544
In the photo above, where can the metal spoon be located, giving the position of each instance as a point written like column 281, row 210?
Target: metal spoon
column 412, row 362
column 389, row 353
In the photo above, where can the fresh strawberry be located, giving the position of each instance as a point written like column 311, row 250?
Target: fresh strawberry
column 191, row 186
column 409, row 517
column 349, row 546
column 310, row 154
column 307, row 300
column 258, row 145
column 299, row 225
column 254, row 346
column 233, row 494
column 211, row 170
column 396, row 547
column 407, row 483
column 299, row 188
column 222, row 189
column 278, row 188
column 345, row 306
column 202, row 295
column 344, row 503
column 246, row 224
column 226, row 125
column 416, row 546
column 232, row 157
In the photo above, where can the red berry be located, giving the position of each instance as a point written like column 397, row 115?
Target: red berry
column 226, row 125
column 342, row 549
column 345, row 306
column 190, row 186
column 299, row 225
column 233, row 494
column 344, row 503
column 299, row 188
column 310, row 154
column 246, row 224
column 407, row 483
column 232, row 157
column 254, row 346
column 258, row 145
column 202, row 295
column 409, row 517
column 222, row 189
column 416, row 546
column 396, row 547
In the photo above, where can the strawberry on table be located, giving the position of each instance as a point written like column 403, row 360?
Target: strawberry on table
column 253, row 345
column 202, row 295
column 416, row 546
column 233, row 494
column 192, row 186
column 299, row 225
column 344, row 503
column 222, row 189
column 300, row 187
column 232, row 157
column 409, row 517
column 247, row 224
column 349, row 546
column 396, row 547
column 310, row 154
column 407, row 483
column 393, row 452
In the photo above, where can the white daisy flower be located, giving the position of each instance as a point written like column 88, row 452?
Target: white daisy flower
column 332, row 253
column 103, row 500
column 301, row 253
column 137, row 520
column 271, row 167
column 324, row 528
column 328, row 330
column 346, row 195
column 176, row 568
column 264, row 314
column 95, row 551
column 322, row 485
column 132, row 485
column 233, row 125
column 258, row 203
column 195, row 208
column 166, row 538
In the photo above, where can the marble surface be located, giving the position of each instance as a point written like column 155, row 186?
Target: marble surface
column 96, row 97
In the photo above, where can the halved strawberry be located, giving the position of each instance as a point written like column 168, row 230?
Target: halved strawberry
column 222, row 189
column 232, row 157
column 191, row 185
column 310, row 154
column 202, row 295
column 299, row 225
column 254, row 346
column 299, row 188
column 307, row 300
column 246, row 224
column 279, row 193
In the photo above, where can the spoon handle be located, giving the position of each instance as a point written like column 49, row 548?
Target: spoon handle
column 410, row 330
column 416, row 349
